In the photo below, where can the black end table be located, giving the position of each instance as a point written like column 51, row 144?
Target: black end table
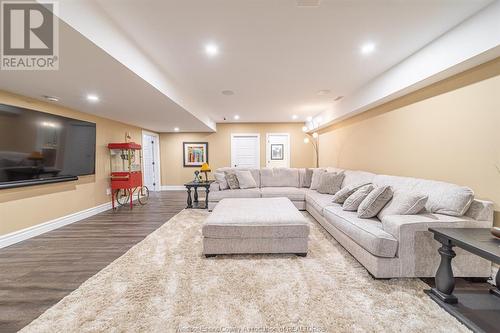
column 195, row 204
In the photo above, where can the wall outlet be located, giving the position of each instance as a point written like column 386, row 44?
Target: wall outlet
column 108, row 191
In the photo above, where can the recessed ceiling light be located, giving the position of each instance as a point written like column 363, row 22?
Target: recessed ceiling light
column 368, row 48
column 92, row 98
column 176, row 129
column 323, row 92
column 309, row 118
column 51, row 98
column 227, row 92
column 211, row 49
column 295, row 117
column 236, row 117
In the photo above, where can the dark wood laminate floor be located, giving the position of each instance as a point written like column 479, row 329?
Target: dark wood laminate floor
column 37, row 273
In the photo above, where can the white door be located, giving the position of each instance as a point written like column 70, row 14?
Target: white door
column 277, row 150
column 245, row 150
column 150, row 159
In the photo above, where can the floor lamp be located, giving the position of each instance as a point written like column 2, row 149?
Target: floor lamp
column 314, row 140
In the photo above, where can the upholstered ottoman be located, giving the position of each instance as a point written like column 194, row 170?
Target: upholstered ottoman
column 255, row 225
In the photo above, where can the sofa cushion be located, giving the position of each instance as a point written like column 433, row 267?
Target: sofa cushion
column 318, row 200
column 245, row 179
column 279, row 177
column 444, row 198
column 292, row 193
column 255, row 172
column 368, row 233
column 239, row 193
column 307, row 177
column 353, row 177
column 220, row 178
column 316, row 178
column 404, row 203
column 352, row 203
column 346, row 192
column 374, row 202
column 330, row 182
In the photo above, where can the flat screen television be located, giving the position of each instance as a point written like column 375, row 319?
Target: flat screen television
column 38, row 147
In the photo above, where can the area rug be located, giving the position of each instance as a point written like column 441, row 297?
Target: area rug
column 164, row 284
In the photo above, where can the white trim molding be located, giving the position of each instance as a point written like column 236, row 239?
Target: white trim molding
column 24, row 234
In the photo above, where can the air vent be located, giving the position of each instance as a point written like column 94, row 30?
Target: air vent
column 308, row 3
column 338, row 98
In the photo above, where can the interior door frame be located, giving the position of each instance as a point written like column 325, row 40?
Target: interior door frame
column 268, row 150
column 156, row 159
column 234, row 135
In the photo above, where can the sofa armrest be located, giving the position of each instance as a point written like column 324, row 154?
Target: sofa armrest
column 480, row 210
column 214, row 187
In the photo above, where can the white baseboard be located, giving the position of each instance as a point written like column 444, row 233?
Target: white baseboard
column 178, row 188
column 21, row 235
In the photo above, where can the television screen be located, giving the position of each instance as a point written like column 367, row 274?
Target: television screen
column 41, row 146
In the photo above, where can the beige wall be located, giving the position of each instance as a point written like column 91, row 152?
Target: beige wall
column 25, row 207
column 453, row 136
column 219, row 148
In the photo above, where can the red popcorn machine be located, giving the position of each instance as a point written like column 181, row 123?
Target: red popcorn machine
column 126, row 174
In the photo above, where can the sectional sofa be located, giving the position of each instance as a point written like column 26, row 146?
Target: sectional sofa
column 397, row 245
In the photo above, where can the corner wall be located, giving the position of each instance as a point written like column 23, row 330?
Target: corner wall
column 449, row 131
column 25, row 207
column 219, row 148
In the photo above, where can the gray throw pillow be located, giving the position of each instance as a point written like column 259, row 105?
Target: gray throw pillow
column 374, row 202
column 346, row 192
column 330, row 182
column 354, row 200
column 232, row 181
column 245, row 179
column 308, row 178
column 220, row 179
column 404, row 203
column 316, row 178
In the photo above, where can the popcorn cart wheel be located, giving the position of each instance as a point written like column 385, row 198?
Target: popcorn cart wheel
column 126, row 174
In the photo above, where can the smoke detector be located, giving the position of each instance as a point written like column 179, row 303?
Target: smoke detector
column 308, row 3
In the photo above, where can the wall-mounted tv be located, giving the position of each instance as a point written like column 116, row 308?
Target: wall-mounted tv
column 38, row 147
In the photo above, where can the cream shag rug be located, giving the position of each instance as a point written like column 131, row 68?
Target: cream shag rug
column 164, row 284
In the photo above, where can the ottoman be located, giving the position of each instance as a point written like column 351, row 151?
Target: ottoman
column 255, row 225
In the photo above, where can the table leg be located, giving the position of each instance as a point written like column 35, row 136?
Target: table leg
column 189, row 201
column 206, row 199
column 131, row 199
column 445, row 282
column 496, row 290
column 196, row 195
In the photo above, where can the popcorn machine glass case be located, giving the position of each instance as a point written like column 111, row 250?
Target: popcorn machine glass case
column 126, row 175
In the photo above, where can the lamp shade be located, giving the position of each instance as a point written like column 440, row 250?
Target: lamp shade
column 205, row 167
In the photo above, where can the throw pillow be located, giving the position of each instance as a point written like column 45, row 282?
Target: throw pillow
column 354, row 200
column 220, row 178
column 232, row 181
column 346, row 192
column 330, row 182
column 245, row 179
column 316, row 178
column 307, row 178
column 404, row 203
column 374, row 202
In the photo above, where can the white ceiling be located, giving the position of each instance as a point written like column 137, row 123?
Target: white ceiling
column 274, row 55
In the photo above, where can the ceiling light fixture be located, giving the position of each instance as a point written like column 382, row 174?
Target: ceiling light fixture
column 236, row 117
column 176, row 129
column 51, row 98
column 294, row 117
column 368, row 48
column 211, row 49
column 304, row 128
column 309, row 118
column 227, row 92
column 92, row 98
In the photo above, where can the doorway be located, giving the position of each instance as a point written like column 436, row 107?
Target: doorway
column 151, row 160
column 245, row 150
column 277, row 150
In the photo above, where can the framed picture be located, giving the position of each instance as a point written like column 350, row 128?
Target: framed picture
column 195, row 153
column 277, row 151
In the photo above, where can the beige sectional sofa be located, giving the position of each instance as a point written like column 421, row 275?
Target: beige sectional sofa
column 397, row 245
